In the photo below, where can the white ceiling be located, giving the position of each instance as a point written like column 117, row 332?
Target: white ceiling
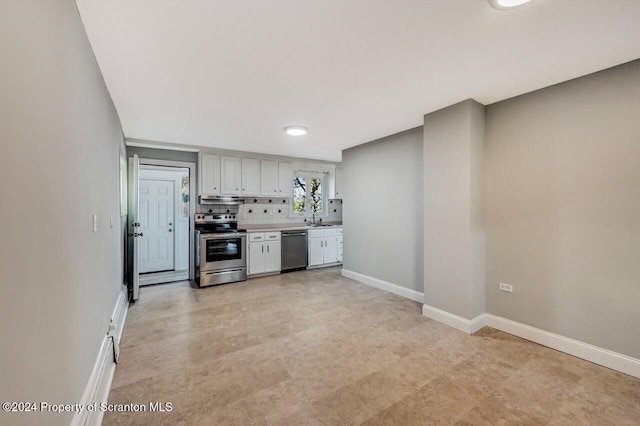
column 232, row 74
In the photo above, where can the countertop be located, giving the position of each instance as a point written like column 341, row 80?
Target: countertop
column 286, row 227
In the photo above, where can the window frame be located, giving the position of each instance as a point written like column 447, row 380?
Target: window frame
column 308, row 176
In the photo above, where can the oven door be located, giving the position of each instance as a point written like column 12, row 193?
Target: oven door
column 221, row 251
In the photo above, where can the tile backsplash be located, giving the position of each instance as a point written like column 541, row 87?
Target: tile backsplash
column 263, row 211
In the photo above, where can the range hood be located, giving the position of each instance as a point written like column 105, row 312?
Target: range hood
column 219, row 200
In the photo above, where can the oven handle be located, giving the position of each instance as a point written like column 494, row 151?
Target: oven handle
column 232, row 271
column 222, row 236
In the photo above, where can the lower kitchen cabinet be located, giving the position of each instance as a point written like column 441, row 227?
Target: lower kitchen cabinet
column 325, row 246
column 264, row 252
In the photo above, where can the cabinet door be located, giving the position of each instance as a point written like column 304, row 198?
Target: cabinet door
column 269, row 178
column 338, row 183
column 330, row 249
column 250, row 177
column 316, row 256
column 272, row 256
column 208, row 174
column 230, row 175
column 256, row 258
column 285, row 180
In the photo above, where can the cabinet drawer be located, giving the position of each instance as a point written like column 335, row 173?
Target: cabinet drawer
column 315, row 233
column 272, row 236
column 256, row 236
column 331, row 232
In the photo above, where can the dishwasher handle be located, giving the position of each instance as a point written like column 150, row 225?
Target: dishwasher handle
column 298, row 234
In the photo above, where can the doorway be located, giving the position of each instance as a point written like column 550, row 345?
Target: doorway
column 164, row 222
column 161, row 210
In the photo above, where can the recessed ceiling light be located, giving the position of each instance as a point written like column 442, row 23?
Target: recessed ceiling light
column 507, row 4
column 296, row 130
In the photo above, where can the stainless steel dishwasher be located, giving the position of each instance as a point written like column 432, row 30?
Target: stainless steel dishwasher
column 294, row 250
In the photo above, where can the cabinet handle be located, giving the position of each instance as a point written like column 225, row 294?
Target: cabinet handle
column 263, row 248
column 267, row 249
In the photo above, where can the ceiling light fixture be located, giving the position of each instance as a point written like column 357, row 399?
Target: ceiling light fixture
column 296, row 130
column 507, row 4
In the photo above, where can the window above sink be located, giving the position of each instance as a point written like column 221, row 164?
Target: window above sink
column 309, row 197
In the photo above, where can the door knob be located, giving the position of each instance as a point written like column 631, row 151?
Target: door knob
column 170, row 230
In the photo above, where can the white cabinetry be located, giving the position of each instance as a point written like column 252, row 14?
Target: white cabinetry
column 338, row 182
column 335, row 184
column 315, row 253
column 264, row 252
column 208, row 174
column 325, row 246
column 250, row 177
column 231, row 175
column 269, row 178
column 277, row 179
column 285, row 180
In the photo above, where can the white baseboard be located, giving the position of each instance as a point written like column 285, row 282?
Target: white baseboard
column 615, row 361
column 384, row 285
column 455, row 321
column 606, row 358
column 99, row 384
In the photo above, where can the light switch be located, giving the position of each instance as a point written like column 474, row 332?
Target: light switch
column 95, row 223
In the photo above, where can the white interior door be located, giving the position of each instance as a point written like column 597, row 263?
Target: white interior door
column 156, row 245
column 132, row 229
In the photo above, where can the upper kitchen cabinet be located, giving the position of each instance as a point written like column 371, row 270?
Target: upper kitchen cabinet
column 269, row 178
column 285, row 180
column 335, row 184
column 250, row 177
column 208, row 174
column 231, row 175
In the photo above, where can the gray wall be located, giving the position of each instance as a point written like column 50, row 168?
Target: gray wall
column 60, row 137
column 454, row 234
column 563, row 208
column 382, row 210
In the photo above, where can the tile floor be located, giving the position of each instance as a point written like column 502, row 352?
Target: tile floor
column 312, row 347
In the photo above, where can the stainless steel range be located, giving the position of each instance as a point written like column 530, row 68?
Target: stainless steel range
column 220, row 250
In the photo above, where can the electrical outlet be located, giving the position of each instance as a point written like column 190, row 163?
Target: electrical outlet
column 506, row 287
